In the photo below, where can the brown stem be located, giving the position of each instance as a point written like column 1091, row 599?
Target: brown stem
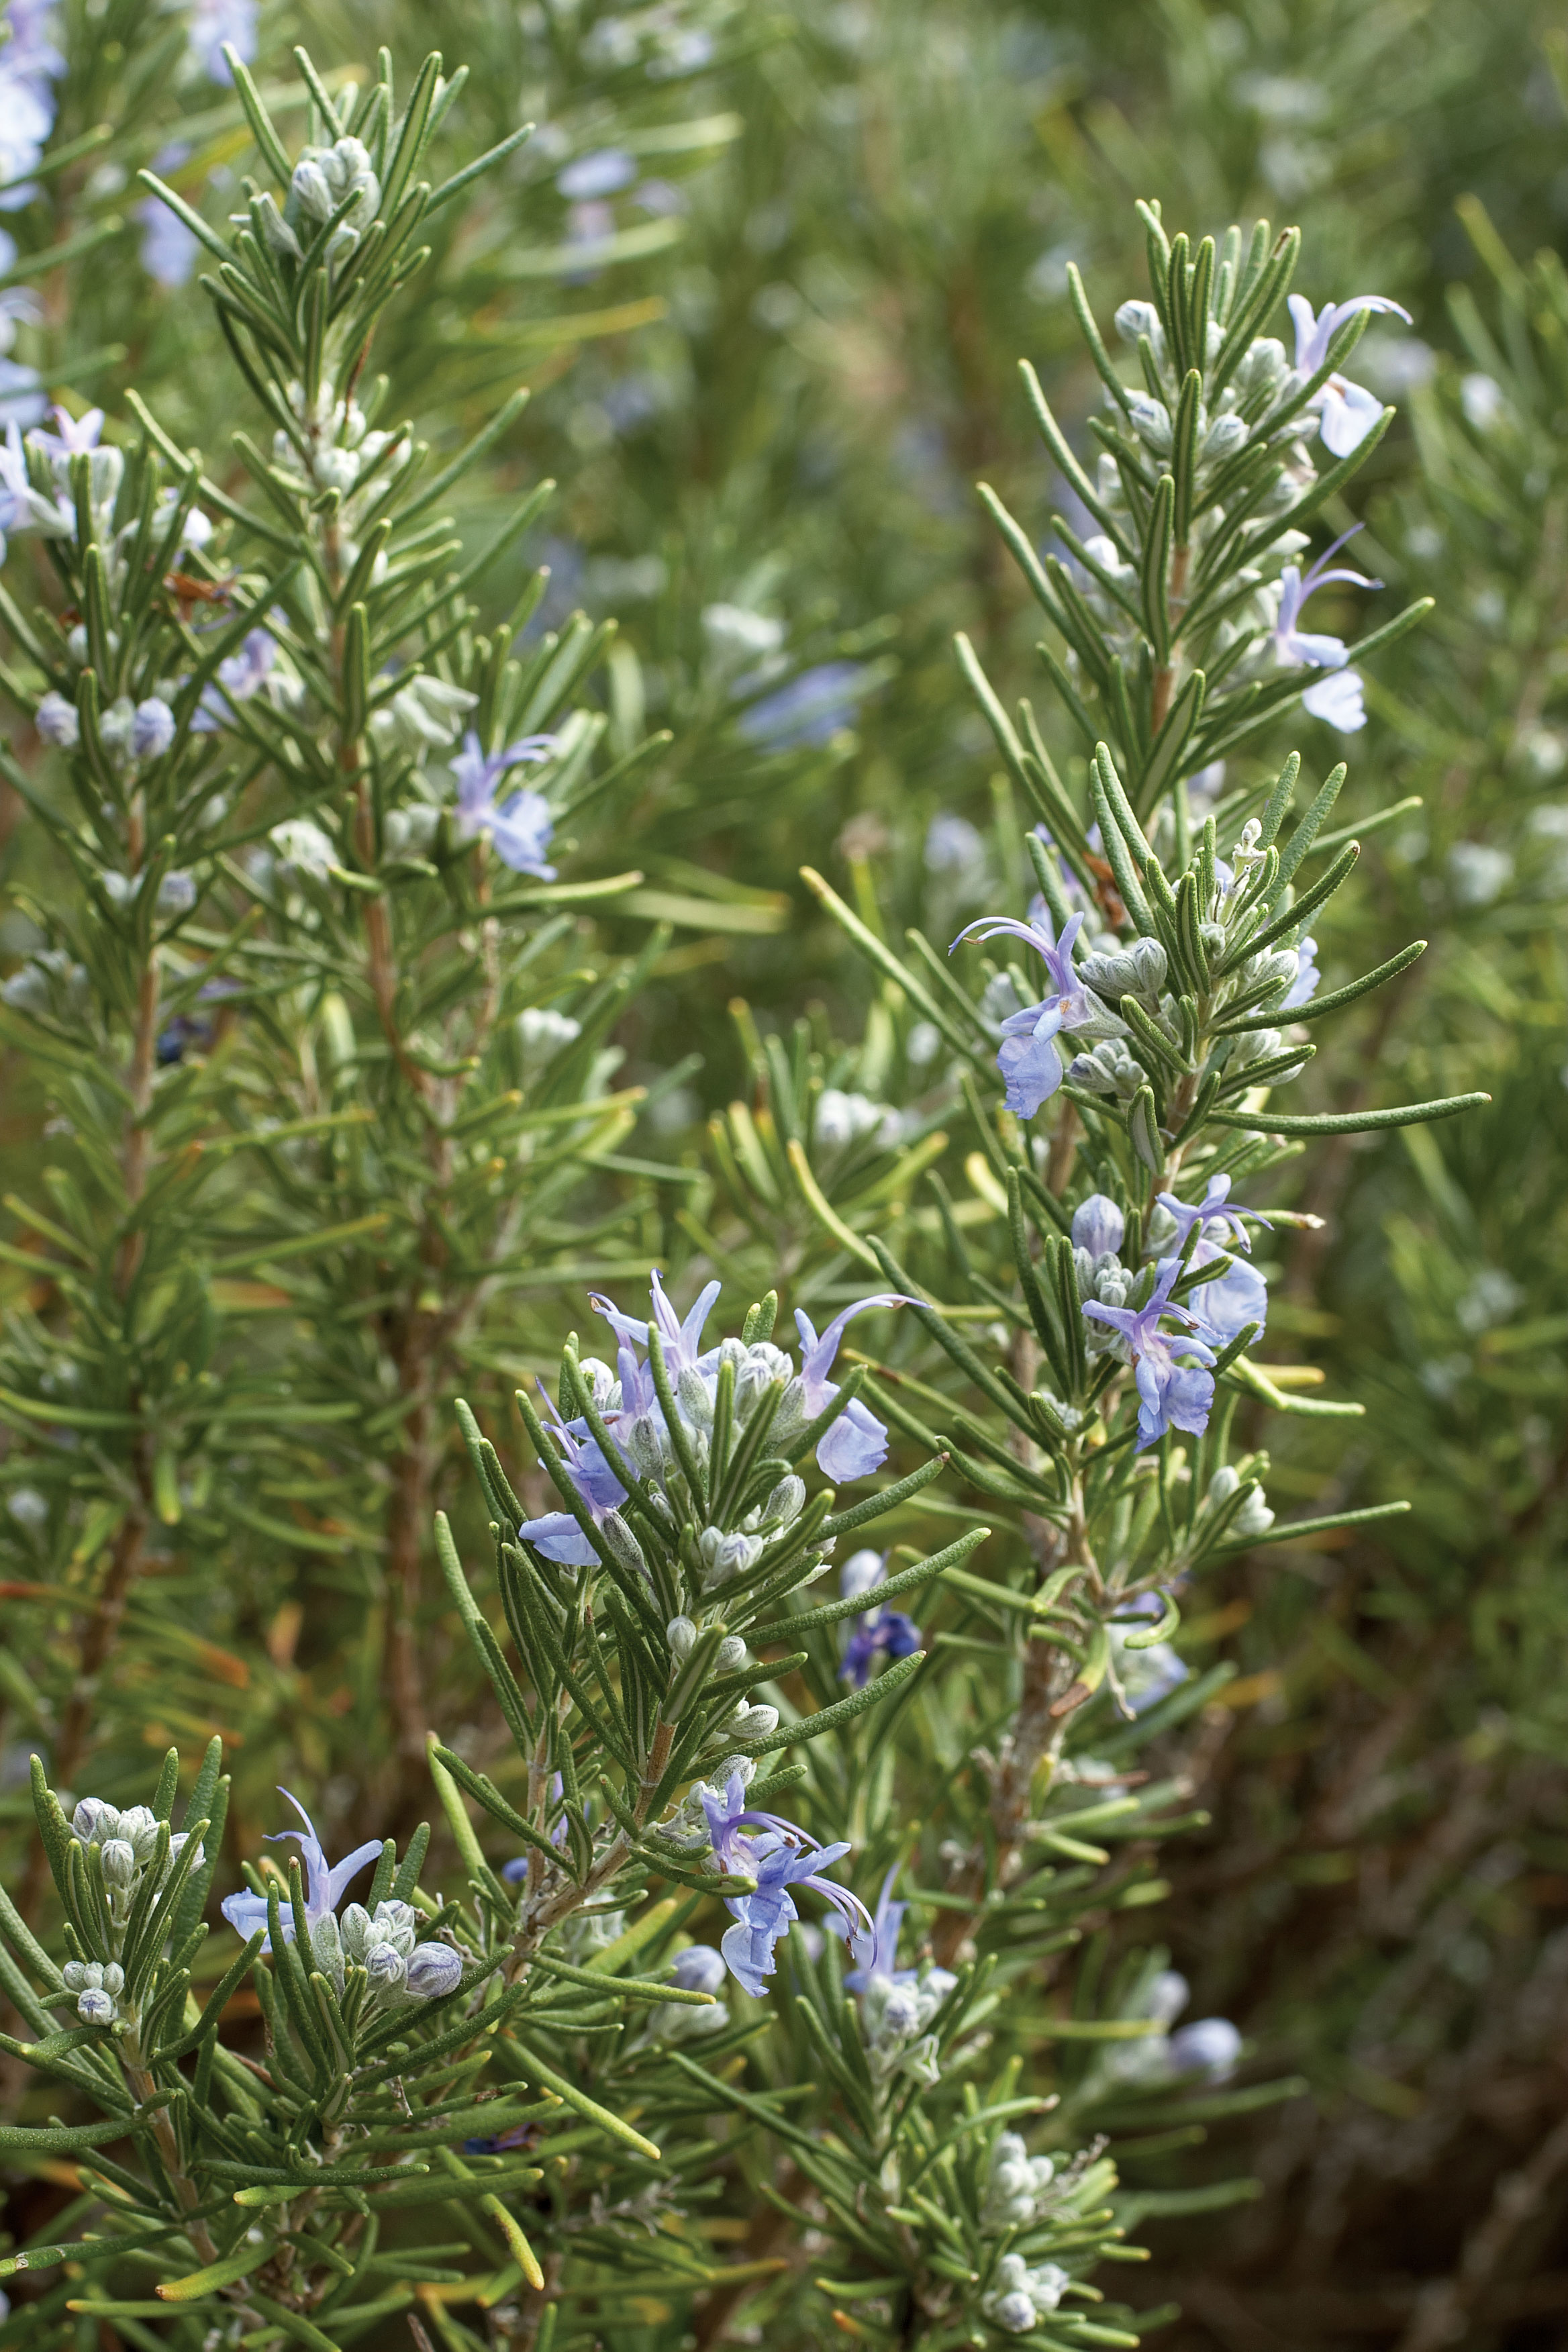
column 1176, row 605
column 125, row 1556
column 185, row 2188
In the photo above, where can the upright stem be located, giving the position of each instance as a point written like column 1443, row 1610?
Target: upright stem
column 125, row 1556
column 185, row 2188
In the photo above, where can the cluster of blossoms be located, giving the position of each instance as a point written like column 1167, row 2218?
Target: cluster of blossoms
column 627, row 1405
column 1082, row 1004
column 897, row 2006
column 1266, row 402
column 779, row 1855
column 129, row 1845
column 384, row 1943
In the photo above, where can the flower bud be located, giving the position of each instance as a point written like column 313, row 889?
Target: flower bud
column 645, row 1444
column 1225, row 436
column 435, row 1970
column 93, row 1819
column 696, row 1404
column 57, row 723
column 623, row 1543
column 1150, row 420
column 1135, row 319
column 698, row 1968
column 681, row 1635
column 140, row 1825
column 383, row 1965
column 859, row 1572
column 95, row 2008
column 731, row 1654
column 754, row 1722
column 152, row 728
column 119, row 1856
column 73, row 1976
column 787, row 1500
column 1099, row 1226
column 113, row 1977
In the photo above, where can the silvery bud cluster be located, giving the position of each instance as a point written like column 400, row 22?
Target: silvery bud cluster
column 97, row 1986
column 1108, row 1068
column 1022, row 2297
column 384, row 1943
column 132, row 732
column 328, row 179
column 425, row 715
column 1137, row 970
column 895, row 2014
column 1015, row 2186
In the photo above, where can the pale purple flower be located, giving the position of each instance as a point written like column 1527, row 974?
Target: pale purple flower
column 22, row 400
column 883, row 1958
column 152, row 728
column 57, row 721
column 1336, row 700
column 1305, row 984
column 1347, row 412
column 1211, row 1210
column 1295, row 645
column 857, row 1443
column 809, row 711
column 325, row 1883
column 954, row 846
column 880, row 1630
column 1172, row 1393
column 77, row 435
column 698, row 1968
column 557, row 1534
column 604, row 172
column 1210, row 2046
column 1028, row 1058
column 1227, row 1305
column 26, row 115
column 215, row 22
column 779, row 1857
column 1239, row 1296
column 242, row 675
column 681, row 1341
column 520, row 826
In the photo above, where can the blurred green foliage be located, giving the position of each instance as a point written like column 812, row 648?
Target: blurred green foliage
column 771, row 389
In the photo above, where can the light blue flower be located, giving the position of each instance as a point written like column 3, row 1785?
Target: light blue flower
column 1293, row 645
column 519, row 825
column 1305, row 984
column 1346, row 412
column 603, row 173
column 213, row 24
column 779, row 1857
column 1338, row 699
column 325, row 1883
column 810, row 710
column 881, row 1629
column 857, row 1443
column 1028, row 1058
column 1172, row 1393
